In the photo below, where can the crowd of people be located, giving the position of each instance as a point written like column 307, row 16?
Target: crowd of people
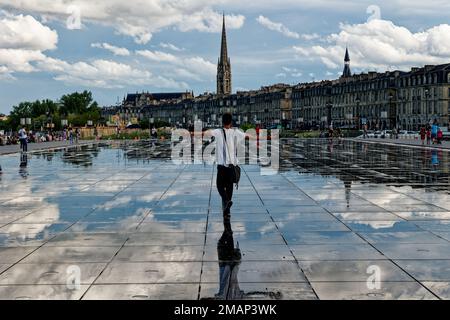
column 23, row 137
column 431, row 134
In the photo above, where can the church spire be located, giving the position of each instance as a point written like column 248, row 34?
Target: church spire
column 224, row 65
column 224, row 47
column 347, row 72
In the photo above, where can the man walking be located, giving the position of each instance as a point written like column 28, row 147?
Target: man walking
column 227, row 140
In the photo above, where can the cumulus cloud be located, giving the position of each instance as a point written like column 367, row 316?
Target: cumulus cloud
column 207, row 20
column 381, row 45
column 278, row 27
column 201, row 65
column 195, row 68
column 19, row 60
column 5, row 74
column 104, row 74
column 308, row 37
column 117, row 51
column 22, row 42
column 136, row 18
column 25, row 32
column 157, row 56
column 170, row 46
column 293, row 72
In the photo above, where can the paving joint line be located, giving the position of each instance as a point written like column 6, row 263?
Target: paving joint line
column 284, row 239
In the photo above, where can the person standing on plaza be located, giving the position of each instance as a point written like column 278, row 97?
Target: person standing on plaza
column 365, row 131
column 330, row 132
column 428, row 131
column 440, row 136
column 77, row 135
column 423, row 134
column 70, row 135
column 394, row 133
column 23, row 137
column 434, row 131
column 227, row 139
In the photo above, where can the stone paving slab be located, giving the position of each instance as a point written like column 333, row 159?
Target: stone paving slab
column 408, row 142
column 138, row 226
column 7, row 149
column 152, row 291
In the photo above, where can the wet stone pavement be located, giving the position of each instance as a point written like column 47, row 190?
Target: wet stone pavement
column 130, row 224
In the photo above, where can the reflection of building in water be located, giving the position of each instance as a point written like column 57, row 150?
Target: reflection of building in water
column 369, row 163
column 142, row 150
column 80, row 155
column 76, row 155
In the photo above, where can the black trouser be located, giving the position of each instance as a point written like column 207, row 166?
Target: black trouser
column 225, row 184
column 23, row 145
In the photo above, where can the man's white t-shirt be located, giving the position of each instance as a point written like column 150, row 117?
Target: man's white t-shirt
column 226, row 157
column 22, row 134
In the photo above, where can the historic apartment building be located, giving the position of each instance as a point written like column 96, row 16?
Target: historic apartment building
column 405, row 100
column 399, row 99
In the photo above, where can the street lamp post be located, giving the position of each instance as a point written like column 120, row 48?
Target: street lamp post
column 358, row 112
column 204, row 112
column 328, row 115
column 391, row 125
column 428, row 115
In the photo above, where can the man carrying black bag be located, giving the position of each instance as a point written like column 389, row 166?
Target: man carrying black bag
column 228, row 171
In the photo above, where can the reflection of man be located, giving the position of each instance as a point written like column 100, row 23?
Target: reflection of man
column 227, row 139
column 229, row 261
column 23, row 165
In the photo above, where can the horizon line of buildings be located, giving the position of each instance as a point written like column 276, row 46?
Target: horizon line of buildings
column 393, row 99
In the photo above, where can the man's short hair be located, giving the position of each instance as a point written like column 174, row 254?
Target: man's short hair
column 227, row 119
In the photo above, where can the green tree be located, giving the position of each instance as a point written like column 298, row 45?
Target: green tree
column 77, row 107
column 77, row 103
column 47, row 107
column 3, row 125
column 23, row 110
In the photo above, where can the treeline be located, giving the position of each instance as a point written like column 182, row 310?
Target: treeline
column 77, row 108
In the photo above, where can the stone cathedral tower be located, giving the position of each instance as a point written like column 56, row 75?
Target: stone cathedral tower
column 224, row 66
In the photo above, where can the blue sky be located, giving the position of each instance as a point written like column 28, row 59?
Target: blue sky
column 173, row 45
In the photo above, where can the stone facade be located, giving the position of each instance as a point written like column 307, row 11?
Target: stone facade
column 405, row 100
